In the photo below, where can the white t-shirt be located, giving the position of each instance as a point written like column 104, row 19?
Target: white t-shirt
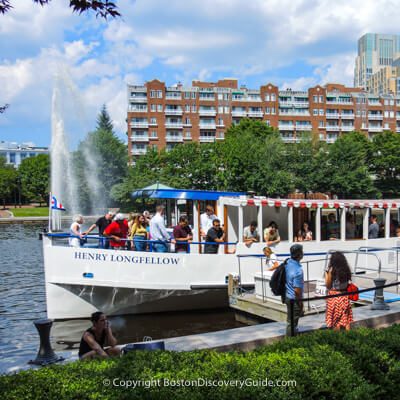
column 271, row 261
column 206, row 222
column 74, row 242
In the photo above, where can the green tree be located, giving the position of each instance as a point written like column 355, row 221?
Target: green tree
column 103, row 158
column 7, row 181
column 385, row 163
column 104, row 122
column 305, row 159
column 254, row 158
column 34, row 173
column 346, row 173
column 102, row 8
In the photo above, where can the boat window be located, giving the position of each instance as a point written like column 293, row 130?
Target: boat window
column 330, row 224
column 354, row 224
column 394, row 223
column 380, row 220
column 301, row 218
column 279, row 215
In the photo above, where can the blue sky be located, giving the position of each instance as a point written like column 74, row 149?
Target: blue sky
column 291, row 43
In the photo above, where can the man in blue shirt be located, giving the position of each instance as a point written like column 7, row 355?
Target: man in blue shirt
column 294, row 286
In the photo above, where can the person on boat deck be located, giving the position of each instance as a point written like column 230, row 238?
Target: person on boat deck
column 215, row 235
column 294, row 286
column 182, row 235
column 332, row 228
column 351, row 227
column 397, row 232
column 75, row 229
column 139, row 234
column 337, row 277
column 158, row 232
column 206, row 221
column 102, row 224
column 271, row 234
column 95, row 338
column 373, row 229
column 250, row 234
column 271, row 261
column 117, row 231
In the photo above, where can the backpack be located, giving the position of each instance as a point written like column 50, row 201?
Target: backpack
column 278, row 281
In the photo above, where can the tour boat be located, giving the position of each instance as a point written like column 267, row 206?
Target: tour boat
column 82, row 280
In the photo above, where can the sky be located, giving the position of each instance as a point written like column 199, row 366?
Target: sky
column 290, row 43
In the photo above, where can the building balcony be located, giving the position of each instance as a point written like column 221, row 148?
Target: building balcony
column 347, row 128
column 187, row 125
column 138, row 152
column 207, row 113
column 207, row 139
column 342, row 103
column 290, row 139
column 138, row 99
column 207, row 98
column 347, row 116
column 187, row 137
column 303, row 128
column 173, row 112
column 207, row 126
column 398, row 129
column 300, row 104
column 174, row 139
column 220, row 137
column 140, row 138
column 286, row 127
column 175, row 125
column 332, row 116
column 220, row 125
column 139, row 125
column 153, row 124
column 239, row 114
column 169, row 97
column 375, row 117
column 137, row 110
column 333, row 128
column 375, row 129
column 397, row 117
column 255, row 114
column 295, row 114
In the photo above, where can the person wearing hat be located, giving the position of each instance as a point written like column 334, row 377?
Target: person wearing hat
column 294, row 286
column 102, row 224
column 117, row 231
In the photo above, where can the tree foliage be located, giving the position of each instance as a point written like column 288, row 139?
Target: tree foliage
column 102, row 8
column 34, row 173
column 7, row 181
column 385, row 163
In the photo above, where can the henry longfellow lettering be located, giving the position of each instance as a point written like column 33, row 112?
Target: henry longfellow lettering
column 82, row 255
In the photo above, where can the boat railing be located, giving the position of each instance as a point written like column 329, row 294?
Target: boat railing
column 102, row 240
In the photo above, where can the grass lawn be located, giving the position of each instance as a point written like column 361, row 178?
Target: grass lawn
column 30, row 212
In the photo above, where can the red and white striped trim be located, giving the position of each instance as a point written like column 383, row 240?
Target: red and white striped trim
column 298, row 203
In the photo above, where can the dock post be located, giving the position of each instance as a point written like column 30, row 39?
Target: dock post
column 46, row 354
column 379, row 298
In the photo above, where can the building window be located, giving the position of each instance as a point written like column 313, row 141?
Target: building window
column 267, row 97
column 154, row 146
column 386, row 102
column 321, row 99
column 358, row 113
column 267, row 111
column 152, row 94
column 152, row 107
column 391, row 114
column 159, row 94
column 12, row 158
column 273, row 98
column 386, row 125
column 187, row 121
column 363, row 113
column 220, row 121
column 386, row 114
column 321, row 124
column 220, row 97
column 153, row 134
column 227, row 110
column 159, row 107
column 315, row 99
column 193, row 108
column 392, row 102
column 153, row 121
column 220, row 109
column 193, row 95
column 315, row 111
column 363, row 125
column 187, row 95
column 357, row 100
column 226, row 96
column 268, row 122
column 363, row 100
column 273, row 110
column 188, row 134
column 321, row 111
column 187, row 108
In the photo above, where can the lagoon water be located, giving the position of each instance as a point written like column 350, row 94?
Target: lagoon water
column 22, row 301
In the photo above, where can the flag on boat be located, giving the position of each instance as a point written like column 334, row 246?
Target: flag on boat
column 55, row 205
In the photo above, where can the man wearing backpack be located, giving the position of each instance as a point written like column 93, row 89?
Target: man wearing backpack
column 294, row 286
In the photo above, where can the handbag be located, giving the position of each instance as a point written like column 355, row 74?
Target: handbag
column 352, row 288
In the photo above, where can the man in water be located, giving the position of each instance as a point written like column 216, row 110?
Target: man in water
column 95, row 338
column 102, row 223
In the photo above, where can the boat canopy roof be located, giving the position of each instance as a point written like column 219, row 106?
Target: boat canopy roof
column 184, row 194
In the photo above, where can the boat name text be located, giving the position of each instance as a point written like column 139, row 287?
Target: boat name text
column 80, row 255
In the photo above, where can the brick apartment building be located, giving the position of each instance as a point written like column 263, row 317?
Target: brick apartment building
column 162, row 116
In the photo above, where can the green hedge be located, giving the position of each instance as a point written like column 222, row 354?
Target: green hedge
column 359, row 364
